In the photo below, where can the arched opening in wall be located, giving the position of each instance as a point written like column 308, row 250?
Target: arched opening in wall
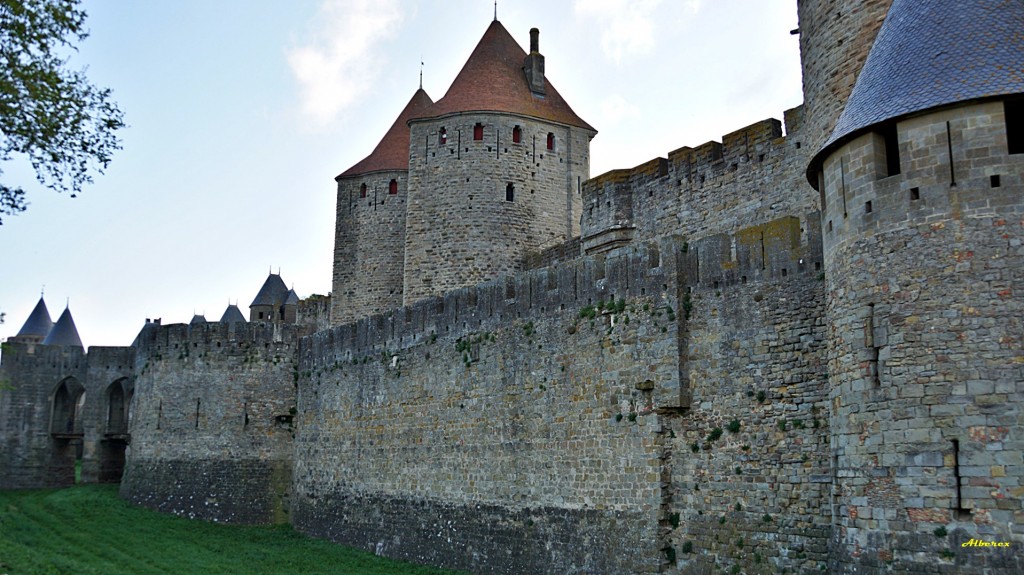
column 510, row 192
column 393, row 187
column 551, row 141
column 66, row 431
column 66, row 408
column 478, row 131
column 117, row 409
column 517, row 135
column 115, row 437
column 362, row 191
column 442, row 136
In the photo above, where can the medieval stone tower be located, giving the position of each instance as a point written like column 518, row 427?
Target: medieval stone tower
column 495, row 170
column 461, row 190
column 922, row 204
column 370, row 227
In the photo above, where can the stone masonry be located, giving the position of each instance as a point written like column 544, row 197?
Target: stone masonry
column 797, row 350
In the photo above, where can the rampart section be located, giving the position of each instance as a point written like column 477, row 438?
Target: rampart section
column 552, row 411
column 214, row 418
column 755, row 175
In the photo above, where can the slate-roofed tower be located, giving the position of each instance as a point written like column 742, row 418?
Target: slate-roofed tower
column 369, row 242
column 64, row 331
column 37, row 326
column 922, row 187
column 268, row 304
column 495, row 170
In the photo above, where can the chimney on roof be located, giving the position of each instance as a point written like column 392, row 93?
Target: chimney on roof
column 534, row 64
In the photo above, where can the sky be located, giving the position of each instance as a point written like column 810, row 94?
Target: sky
column 240, row 114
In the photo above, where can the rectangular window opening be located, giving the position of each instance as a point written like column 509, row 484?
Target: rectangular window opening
column 994, row 180
column 867, row 207
column 1014, row 112
column 915, row 194
column 892, row 150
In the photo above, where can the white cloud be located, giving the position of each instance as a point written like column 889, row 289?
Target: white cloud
column 615, row 108
column 627, row 26
column 630, row 27
column 342, row 59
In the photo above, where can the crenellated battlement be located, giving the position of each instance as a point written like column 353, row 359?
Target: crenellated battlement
column 636, row 271
column 780, row 249
column 715, row 188
column 223, row 339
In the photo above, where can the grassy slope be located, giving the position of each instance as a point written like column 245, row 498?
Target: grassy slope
column 88, row 530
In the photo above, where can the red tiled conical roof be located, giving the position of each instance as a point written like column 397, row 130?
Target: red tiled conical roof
column 493, row 80
column 392, row 153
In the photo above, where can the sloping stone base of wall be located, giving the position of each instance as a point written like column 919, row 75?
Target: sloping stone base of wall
column 483, row 539
column 252, row 491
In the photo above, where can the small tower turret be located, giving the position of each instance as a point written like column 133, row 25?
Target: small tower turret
column 37, row 326
column 64, row 332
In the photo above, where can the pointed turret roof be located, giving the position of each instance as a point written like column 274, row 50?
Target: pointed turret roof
column 273, row 292
column 493, row 80
column 292, row 298
column 38, row 323
column 64, row 331
column 232, row 315
column 197, row 318
column 931, row 54
column 392, row 153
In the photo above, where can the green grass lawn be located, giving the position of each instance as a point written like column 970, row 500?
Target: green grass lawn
column 88, row 530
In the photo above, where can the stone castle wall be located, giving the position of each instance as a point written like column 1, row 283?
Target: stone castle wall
column 753, row 176
column 41, row 442
column 213, row 421
column 926, row 360
column 458, row 179
column 496, row 429
column 528, row 416
column 369, row 245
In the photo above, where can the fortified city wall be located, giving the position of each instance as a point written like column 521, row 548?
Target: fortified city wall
column 59, row 404
column 213, row 421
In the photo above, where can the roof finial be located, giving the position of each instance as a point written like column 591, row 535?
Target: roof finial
column 421, row 72
column 495, row 10
column 42, row 291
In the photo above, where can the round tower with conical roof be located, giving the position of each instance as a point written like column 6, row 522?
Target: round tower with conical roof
column 922, row 187
column 369, row 243
column 495, row 170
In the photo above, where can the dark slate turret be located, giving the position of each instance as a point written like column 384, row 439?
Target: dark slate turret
column 64, row 332
column 933, row 54
column 271, row 303
column 232, row 315
column 37, row 326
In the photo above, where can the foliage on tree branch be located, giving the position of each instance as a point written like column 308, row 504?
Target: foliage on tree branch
column 53, row 116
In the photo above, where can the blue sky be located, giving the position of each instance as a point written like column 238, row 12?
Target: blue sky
column 241, row 112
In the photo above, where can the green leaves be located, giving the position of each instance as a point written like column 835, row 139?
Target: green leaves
column 49, row 114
